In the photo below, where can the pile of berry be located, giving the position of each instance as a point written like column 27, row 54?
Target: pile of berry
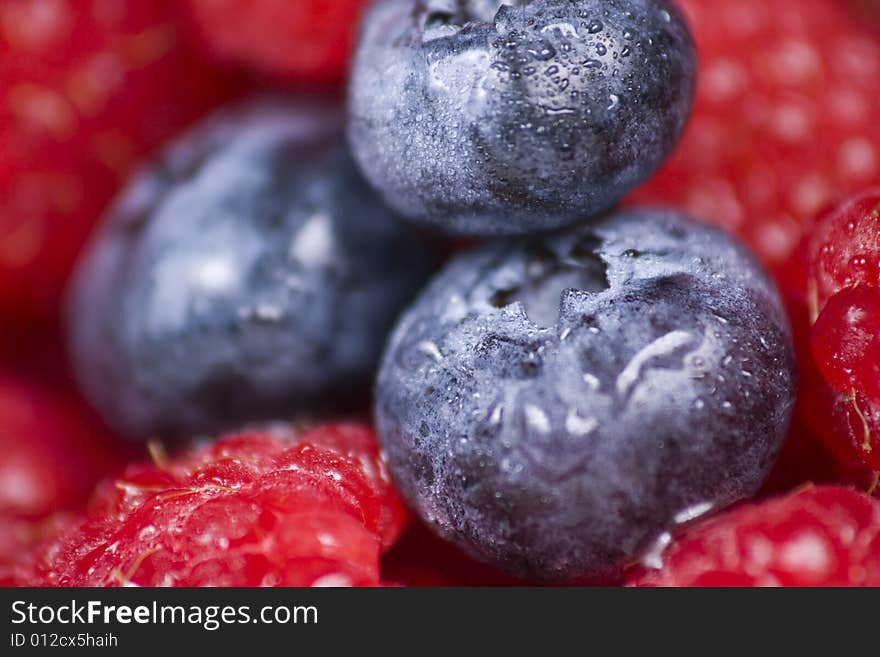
column 590, row 287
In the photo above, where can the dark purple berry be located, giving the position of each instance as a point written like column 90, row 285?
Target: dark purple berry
column 248, row 275
column 554, row 405
column 484, row 117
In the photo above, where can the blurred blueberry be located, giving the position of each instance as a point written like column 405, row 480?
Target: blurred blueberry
column 249, row 274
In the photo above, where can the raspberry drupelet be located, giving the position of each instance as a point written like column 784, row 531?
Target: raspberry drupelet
column 52, row 449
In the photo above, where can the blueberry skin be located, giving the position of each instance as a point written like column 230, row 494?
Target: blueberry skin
column 248, row 275
column 555, row 405
column 478, row 117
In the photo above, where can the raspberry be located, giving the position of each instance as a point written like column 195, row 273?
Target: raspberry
column 272, row 508
column 840, row 388
column 844, row 248
column 846, row 341
column 822, row 536
column 306, row 41
column 17, row 540
column 88, row 87
column 824, row 445
column 52, row 451
column 13, row 542
column 784, row 121
column 849, row 425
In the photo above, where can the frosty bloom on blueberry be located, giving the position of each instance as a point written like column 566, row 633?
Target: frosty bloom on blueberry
column 249, row 275
column 555, row 404
column 485, row 117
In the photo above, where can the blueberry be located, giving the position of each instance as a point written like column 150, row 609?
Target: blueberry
column 486, row 117
column 555, row 404
column 249, row 274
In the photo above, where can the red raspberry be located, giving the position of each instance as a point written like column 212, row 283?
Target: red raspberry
column 88, row 87
column 52, row 450
column 840, row 387
column 823, row 536
column 784, row 122
column 302, row 41
column 13, row 542
column 846, row 341
column 827, row 413
column 806, row 455
column 849, row 425
column 844, row 249
column 279, row 508
column 17, row 541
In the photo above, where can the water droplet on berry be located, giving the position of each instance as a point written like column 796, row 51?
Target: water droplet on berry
column 653, row 557
column 577, row 425
column 431, row 350
column 693, row 512
column 537, row 418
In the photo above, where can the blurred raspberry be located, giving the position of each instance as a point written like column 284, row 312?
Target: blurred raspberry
column 784, row 122
column 13, row 543
column 305, row 41
column 822, row 536
column 260, row 509
column 18, row 539
column 88, row 87
column 52, row 450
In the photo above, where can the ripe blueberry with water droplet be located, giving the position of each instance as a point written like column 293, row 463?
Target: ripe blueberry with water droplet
column 555, row 404
column 250, row 274
column 500, row 118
